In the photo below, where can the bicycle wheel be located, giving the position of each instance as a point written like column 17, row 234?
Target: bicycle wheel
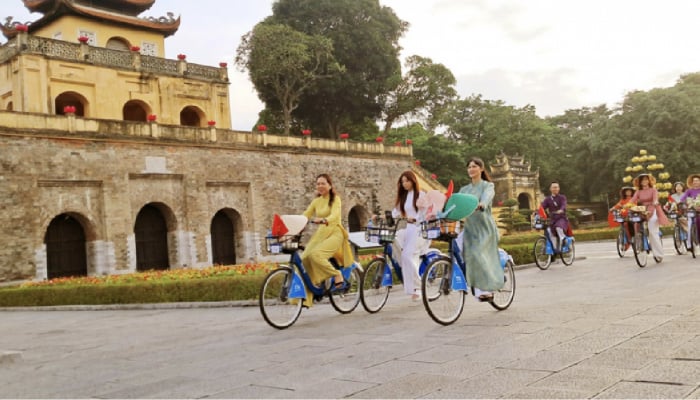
column 640, row 254
column 678, row 241
column 621, row 244
column 567, row 257
column 276, row 307
column 443, row 304
column 345, row 301
column 372, row 293
column 504, row 297
column 693, row 240
column 542, row 259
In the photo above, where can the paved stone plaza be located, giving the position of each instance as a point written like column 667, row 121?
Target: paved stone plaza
column 602, row 328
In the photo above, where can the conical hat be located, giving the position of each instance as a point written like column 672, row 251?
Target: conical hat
column 461, row 205
column 294, row 223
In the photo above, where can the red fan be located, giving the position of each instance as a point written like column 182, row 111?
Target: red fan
column 278, row 226
column 450, row 189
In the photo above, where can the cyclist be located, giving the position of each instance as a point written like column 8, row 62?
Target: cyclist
column 480, row 236
column 673, row 200
column 626, row 194
column 330, row 240
column 555, row 207
column 692, row 197
column 648, row 196
column 408, row 242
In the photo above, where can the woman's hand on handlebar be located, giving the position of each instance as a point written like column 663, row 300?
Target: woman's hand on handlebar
column 320, row 221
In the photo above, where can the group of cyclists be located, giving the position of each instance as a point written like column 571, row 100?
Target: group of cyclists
column 328, row 258
column 643, row 197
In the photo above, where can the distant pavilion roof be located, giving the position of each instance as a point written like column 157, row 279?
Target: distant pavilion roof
column 120, row 12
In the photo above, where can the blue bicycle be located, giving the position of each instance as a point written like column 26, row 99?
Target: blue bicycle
column 443, row 282
column 680, row 236
column 640, row 241
column 544, row 250
column 284, row 289
column 378, row 278
column 623, row 241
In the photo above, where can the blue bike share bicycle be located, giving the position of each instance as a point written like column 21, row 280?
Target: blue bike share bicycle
column 624, row 241
column 284, row 289
column 692, row 243
column 640, row 242
column 378, row 277
column 443, row 283
column 545, row 251
column 680, row 236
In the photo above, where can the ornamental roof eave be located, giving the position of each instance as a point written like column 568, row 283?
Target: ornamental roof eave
column 166, row 26
column 129, row 7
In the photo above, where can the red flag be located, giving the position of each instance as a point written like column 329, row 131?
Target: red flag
column 569, row 232
column 541, row 212
column 450, row 189
column 278, row 226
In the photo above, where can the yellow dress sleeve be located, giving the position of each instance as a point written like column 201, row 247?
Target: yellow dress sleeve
column 311, row 209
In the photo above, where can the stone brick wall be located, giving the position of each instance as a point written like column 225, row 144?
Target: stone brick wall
column 104, row 179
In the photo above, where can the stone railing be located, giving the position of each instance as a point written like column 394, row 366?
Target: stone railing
column 24, row 43
column 12, row 123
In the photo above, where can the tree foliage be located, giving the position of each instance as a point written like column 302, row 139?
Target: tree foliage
column 284, row 63
column 365, row 39
column 424, row 93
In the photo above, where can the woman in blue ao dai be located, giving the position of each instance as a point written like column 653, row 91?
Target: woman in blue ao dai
column 480, row 236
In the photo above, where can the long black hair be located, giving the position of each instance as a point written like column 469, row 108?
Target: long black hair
column 402, row 193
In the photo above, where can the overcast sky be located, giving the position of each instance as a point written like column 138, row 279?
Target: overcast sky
column 553, row 54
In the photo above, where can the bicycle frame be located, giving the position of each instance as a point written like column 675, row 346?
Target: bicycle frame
column 391, row 262
column 301, row 279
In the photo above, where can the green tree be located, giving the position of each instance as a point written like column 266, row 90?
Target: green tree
column 365, row 39
column 424, row 93
column 284, row 63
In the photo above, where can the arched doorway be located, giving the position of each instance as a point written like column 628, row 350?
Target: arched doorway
column 71, row 99
column 524, row 201
column 223, row 243
column 65, row 248
column 355, row 218
column 135, row 110
column 9, row 106
column 191, row 116
column 151, row 234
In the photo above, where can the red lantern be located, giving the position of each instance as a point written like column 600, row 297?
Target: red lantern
column 262, row 128
column 418, row 162
column 69, row 109
column 379, row 139
column 135, row 48
column 151, row 117
column 83, row 39
column 344, row 135
column 211, row 123
column 409, row 142
column 500, row 203
column 433, row 176
column 181, row 57
column 223, row 64
column 397, row 144
column 21, row 28
column 306, row 132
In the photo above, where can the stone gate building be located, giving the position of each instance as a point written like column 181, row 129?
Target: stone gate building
column 114, row 159
column 513, row 179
